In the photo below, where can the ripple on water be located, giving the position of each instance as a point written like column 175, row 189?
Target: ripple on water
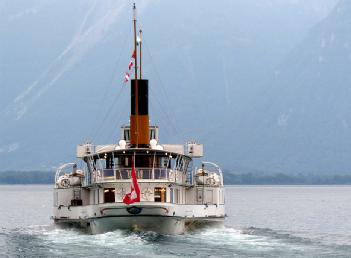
column 48, row 241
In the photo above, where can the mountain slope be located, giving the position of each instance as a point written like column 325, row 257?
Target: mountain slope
column 62, row 64
column 301, row 120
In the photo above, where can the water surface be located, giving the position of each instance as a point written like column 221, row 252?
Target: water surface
column 263, row 221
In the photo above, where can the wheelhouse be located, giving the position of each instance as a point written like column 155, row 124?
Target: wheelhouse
column 150, row 165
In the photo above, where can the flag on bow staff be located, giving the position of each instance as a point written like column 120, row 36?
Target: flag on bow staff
column 134, row 195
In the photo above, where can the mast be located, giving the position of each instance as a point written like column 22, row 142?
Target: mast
column 136, row 132
column 135, row 44
column 139, row 117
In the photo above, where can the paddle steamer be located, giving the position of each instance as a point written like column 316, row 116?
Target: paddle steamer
column 138, row 183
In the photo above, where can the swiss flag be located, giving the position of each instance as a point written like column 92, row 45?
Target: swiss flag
column 134, row 195
column 126, row 77
column 130, row 66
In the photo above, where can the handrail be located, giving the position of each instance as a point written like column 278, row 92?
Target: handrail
column 217, row 167
column 61, row 168
column 143, row 173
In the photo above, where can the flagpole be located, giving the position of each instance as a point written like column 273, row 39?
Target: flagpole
column 136, row 78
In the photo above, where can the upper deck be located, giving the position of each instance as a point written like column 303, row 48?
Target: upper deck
column 150, row 165
column 166, row 163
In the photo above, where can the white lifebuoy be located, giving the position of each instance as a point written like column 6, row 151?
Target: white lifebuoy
column 146, row 194
column 210, row 181
column 64, row 182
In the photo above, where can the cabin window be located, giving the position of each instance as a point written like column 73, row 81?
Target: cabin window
column 160, row 174
column 116, row 161
column 166, row 162
column 152, row 133
column 77, row 199
column 169, row 163
column 124, row 162
column 109, row 161
column 144, row 174
column 109, row 174
column 109, row 195
column 160, row 194
column 143, row 161
column 76, row 194
column 126, row 134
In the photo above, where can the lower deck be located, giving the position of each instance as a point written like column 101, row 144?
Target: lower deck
column 159, row 193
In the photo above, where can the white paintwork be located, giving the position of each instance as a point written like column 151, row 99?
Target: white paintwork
column 163, row 218
column 195, row 150
column 104, row 148
column 84, row 149
column 176, row 148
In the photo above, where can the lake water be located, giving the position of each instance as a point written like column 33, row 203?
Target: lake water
column 263, row 221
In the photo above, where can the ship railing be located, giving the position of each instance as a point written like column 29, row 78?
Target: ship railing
column 217, row 169
column 120, row 174
column 61, row 170
column 210, row 174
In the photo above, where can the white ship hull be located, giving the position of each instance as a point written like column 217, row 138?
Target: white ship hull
column 162, row 225
column 160, row 219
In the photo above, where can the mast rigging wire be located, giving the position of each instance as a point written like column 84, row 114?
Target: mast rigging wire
column 95, row 130
column 164, row 110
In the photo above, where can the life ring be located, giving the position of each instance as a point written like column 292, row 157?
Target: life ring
column 146, row 194
column 210, row 181
column 64, row 183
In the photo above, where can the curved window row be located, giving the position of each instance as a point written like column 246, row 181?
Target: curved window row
column 117, row 166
